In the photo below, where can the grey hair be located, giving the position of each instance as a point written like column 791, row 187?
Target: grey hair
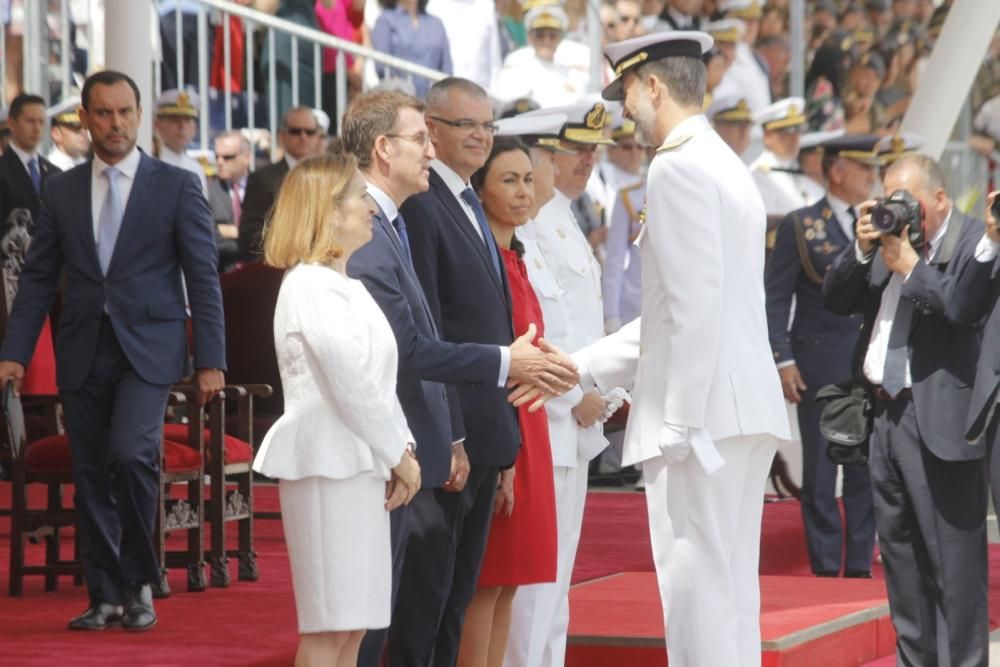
column 931, row 175
column 236, row 134
column 437, row 96
column 684, row 78
column 299, row 109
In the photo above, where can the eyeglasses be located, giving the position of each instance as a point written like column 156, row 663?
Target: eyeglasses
column 468, row 125
column 421, row 139
column 299, row 131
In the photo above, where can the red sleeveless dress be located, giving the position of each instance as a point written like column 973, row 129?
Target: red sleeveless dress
column 522, row 547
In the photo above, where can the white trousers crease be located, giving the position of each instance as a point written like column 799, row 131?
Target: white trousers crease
column 540, row 614
column 705, row 534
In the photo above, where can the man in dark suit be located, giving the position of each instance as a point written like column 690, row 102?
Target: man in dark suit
column 24, row 173
column 120, row 230
column 815, row 348
column 388, row 133
column 976, row 296
column 458, row 264
column 226, row 192
column 929, row 484
column 300, row 137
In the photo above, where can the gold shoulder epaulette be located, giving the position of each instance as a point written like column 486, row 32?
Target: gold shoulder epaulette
column 673, row 145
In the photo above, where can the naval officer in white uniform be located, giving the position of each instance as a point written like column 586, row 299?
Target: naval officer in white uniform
column 175, row 124
column 776, row 171
column 707, row 412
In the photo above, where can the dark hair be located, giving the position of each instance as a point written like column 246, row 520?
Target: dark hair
column 501, row 145
column 684, row 78
column 108, row 77
column 828, row 62
column 21, row 101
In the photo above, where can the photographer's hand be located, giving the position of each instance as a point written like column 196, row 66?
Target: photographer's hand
column 898, row 253
column 868, row 236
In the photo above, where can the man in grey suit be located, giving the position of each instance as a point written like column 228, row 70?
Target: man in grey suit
column 919, row 359
column 226, row 192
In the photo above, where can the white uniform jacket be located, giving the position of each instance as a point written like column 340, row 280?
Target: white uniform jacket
column 622, row 278
column 185, row 162
column 566, row 279
column 699, row 355
column 338, row 361
column 783, row 191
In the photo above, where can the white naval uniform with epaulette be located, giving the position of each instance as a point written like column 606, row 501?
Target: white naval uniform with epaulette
column 63, row 160
column 185, row 162
column 605, row 182
column 707, row 409
column 566, row 279
column 621, row 281
column 783, row 191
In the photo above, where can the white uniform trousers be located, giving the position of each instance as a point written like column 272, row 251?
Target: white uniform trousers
column 705, row 534
column 540, row 613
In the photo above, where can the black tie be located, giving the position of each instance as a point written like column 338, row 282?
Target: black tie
column 851, row 211
column 400, row 226
column 897, row 355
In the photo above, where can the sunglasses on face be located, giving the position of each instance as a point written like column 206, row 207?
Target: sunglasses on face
column 299, row 131
column 227, row 158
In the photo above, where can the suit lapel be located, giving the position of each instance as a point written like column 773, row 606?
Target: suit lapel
column 460, row 218
column 17, row 167
column 397, row 247
column 82, row 179
column 47, row 170
column 134, row 207
column 950, row 240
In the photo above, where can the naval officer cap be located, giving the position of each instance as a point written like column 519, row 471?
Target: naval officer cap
column 65, row 114
column 538, row 130
column 585, row 121
column 177, row 103
column 731, row 108
column 783, row 115
column 813, row 141
column 861, row 148
column 635, row 52
column 726, row 31
column 741, row 9
column 896, row 146
column 543, row 16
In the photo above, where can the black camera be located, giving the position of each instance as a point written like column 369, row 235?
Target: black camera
column 892, row 214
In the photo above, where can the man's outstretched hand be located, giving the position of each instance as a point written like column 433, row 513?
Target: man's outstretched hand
column 543, row 366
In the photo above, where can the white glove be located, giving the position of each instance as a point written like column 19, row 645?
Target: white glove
column 613, row 400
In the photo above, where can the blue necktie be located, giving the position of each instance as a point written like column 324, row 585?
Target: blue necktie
column 36, row 176
column 477, row 208
column 111, row 220
column 400, row 226
column 897, row 355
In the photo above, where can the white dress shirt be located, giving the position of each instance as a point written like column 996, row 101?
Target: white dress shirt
column 878, row 345
column 62, row 160
column 99, row 186
column 841, row 211
column 457, row 186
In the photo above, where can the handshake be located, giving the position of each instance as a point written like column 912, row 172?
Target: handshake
column 538, row 372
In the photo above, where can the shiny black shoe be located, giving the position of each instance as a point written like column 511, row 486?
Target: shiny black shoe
column 825, row 573
column 139, row 614
column 858, row 574
column 98, row 617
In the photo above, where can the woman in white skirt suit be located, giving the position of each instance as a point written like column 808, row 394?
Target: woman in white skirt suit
column 342, row 451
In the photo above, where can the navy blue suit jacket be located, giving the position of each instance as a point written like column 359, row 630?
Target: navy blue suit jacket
column 425, row 361
column 819, row 341
column 469, row 304
column 976, row 298
column 166, row 229
column 943, row 349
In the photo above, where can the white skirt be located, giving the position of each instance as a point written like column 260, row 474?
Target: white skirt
column 337, row 533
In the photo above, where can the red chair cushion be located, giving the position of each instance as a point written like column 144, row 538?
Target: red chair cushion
column 234, row 449
column 51, row 455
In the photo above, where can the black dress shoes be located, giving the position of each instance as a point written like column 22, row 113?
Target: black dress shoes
column 139, row 614
column 858, row 574
column 98, row 617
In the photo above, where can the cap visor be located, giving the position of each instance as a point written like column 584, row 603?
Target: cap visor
column 614, row 91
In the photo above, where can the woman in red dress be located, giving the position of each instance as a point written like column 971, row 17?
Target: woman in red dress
column 522, row 543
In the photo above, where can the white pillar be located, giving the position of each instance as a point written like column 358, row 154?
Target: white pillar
column 950, row 72
column 128, row 48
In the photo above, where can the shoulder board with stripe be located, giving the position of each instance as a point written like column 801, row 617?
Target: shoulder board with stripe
column 673, row 145
column 631, row 188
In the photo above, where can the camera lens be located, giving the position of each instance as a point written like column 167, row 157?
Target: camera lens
column 888, row 217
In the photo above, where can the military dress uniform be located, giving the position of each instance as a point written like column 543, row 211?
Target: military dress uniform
column 621, row 280
column 707, row 412
column 745, row 77
column 781, row 182
column 821, row 344
column 185, row 105
column 566, row 279
column 65, row 115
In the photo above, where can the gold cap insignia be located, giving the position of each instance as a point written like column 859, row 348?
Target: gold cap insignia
column 596, row 118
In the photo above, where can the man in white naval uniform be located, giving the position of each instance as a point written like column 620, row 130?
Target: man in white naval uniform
column 567, row 280
column 707, row 411
column 622, row 166
column 175, row 124
column 776, row 171
column 70, row 142
column 746, row 77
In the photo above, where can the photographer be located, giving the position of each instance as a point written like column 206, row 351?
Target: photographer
column 929, row 486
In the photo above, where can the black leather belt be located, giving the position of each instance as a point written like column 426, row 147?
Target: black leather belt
column 882, row 395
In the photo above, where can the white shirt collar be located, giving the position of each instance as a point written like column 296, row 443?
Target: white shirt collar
column 166, row 151
column 450, row 178
column 382, row 199
column 935, row 243
column 291, row 161
column 24, row 155
column 682, row 20
column 686, row 127
column 128, row 165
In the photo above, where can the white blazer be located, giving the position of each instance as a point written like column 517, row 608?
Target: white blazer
column 699, row 355
column 337, row 357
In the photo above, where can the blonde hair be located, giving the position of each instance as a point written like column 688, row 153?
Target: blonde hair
column 302, row 226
